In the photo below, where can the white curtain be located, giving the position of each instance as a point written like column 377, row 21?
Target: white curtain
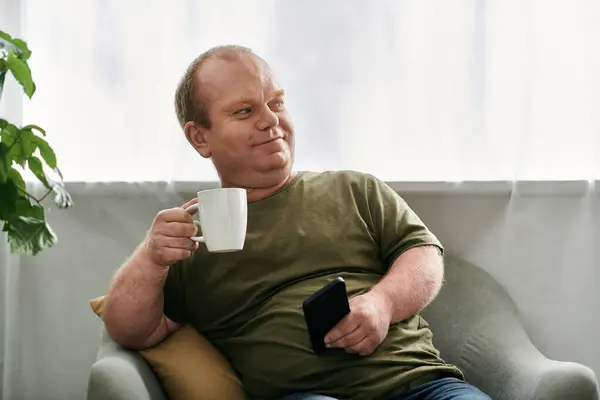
column 9, row 314
column 408, row 90
column 10, row 108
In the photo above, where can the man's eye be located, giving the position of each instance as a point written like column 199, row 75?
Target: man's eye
column 243, row 111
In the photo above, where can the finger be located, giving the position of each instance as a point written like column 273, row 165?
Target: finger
column 190, row 202
column 180, row 243
column 175, row 215
column 344, row 327
column 179, row 229
column 362, row 348
column 351, row 339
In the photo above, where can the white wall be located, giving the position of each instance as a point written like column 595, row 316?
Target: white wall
column 540, row 248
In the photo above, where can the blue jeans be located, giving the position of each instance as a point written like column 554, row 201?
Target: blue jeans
column 441, row 389
column 444, row 389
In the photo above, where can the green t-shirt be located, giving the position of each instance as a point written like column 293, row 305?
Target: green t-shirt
column 249, row 303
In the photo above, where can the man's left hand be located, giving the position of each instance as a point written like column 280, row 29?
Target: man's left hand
column 364, row 328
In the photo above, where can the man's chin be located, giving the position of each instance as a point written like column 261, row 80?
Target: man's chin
column 281, row 159
column 275, row 161
column 276, row 170
column 266, row 179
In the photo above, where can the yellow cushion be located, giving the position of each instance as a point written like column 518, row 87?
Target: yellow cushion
column 188, row 366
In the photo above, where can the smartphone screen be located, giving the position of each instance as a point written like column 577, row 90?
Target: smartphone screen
column 323, row 310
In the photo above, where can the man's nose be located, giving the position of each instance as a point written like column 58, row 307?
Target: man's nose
column 267, row 120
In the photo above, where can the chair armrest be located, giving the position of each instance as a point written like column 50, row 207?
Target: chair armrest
column 476, row 326
column 121, row 374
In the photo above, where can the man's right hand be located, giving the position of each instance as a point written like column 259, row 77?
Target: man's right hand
column 169, row 240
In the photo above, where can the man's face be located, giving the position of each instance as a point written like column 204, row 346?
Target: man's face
column 250, row 139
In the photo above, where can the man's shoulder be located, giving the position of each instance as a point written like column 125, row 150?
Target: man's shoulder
column 347, row 178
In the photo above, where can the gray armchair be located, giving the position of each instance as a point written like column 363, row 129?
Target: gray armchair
column 475, row 326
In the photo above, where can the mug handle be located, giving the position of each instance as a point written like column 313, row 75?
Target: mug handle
column 192, row 209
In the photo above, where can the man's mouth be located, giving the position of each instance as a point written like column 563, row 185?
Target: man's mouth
column 270, row 141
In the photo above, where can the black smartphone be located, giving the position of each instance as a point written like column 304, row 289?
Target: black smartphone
column 323, row 310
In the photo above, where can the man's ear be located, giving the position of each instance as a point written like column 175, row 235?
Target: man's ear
column 196, row 136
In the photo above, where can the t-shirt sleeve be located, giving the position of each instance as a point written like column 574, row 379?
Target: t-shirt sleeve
column 174, row 294
column 396, row 227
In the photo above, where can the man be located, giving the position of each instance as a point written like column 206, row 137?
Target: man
column 304, row 229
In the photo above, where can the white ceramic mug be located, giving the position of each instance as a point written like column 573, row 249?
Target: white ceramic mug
column 223, row 215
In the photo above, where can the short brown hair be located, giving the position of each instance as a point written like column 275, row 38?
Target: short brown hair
column 186, row 106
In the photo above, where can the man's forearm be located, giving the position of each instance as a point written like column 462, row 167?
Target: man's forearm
column 412, row 281
column 134, row 306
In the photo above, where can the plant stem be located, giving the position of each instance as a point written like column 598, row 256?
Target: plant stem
column 46, row 195
column 31, row 197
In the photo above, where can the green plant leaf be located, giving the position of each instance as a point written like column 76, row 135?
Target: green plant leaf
column 2, row 77
column 25, row 208
column 62, row 197
column 29, row 235
column 8, row 133
column 4, row 163
column 24, row 53
column 17, row 44
column 10, row 195
column 23, row 147
column 21, row 72
column 36, row 166
column 6, row 44
column 35, row 128
column 16, row 177
column 45, row 151
column 27, row 229
column 5, row 36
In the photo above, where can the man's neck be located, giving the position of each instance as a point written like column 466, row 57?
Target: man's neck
column 256, row 194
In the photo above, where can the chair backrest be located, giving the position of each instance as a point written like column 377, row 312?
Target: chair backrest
column 469, row 295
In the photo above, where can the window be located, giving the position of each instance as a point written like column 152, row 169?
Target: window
column 409, row 91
